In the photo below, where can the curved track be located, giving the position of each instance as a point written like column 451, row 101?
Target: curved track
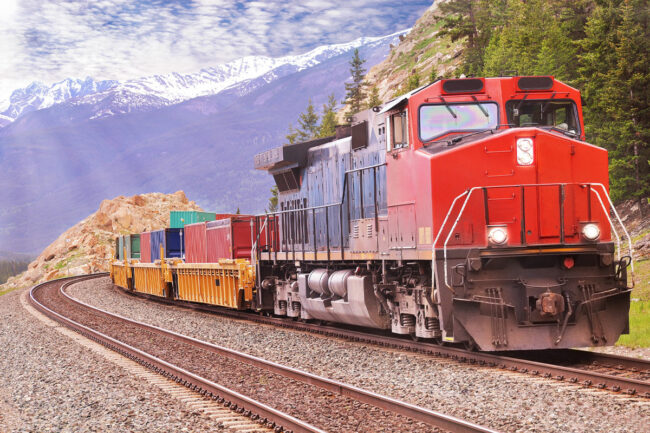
column 198, row 365
column 591, row 369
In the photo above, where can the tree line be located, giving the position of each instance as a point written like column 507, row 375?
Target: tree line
column 11, row 267
column 598, row 46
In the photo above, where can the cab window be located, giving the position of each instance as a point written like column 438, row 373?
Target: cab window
column 398, row 130
column 440, row 119
column 560, row 114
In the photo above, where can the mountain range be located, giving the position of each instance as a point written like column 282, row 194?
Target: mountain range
column 65, row 147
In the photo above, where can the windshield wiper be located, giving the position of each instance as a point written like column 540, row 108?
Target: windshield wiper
column 481, row 106
column 448, row 107
column 563, row 131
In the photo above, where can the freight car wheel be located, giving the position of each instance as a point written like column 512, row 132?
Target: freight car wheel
column 415, row 337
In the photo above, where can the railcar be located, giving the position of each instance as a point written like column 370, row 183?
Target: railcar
column 468, row 211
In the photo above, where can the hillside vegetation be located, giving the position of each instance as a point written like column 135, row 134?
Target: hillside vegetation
column 11, row 267
column 600, row 47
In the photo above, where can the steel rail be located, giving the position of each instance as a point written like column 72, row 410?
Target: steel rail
column 418, row 413
column 603, row 359
column 558, row 372
column 230, row 398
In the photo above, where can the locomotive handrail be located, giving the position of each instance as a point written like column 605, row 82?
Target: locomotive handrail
column 340, row 204
column 468, row 193
column 629, row 239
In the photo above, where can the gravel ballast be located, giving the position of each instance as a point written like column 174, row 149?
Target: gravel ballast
column 504, row 401
column 308, row 403
column 53, row 384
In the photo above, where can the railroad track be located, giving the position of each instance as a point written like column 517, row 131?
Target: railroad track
column 607, row 372
column 281, row 397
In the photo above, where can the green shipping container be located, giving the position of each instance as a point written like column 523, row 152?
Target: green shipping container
column 178, row 218
column 133, row 246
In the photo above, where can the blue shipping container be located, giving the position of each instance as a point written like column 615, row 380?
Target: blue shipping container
column 172, row 241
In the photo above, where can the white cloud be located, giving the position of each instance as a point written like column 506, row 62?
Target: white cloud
column 49, row 40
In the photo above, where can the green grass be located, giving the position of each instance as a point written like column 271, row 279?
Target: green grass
column 641, row 280
column 9, row 290
column 65, row 262
column 639, row 335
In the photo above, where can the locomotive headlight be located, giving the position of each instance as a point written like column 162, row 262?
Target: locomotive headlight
column 497, row 236
column 525, row 155
column 591, row 232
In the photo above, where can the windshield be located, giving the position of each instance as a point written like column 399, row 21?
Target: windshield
column 436, row 120
column 561, row 114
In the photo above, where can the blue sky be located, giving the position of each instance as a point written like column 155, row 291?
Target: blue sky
column 49, row 40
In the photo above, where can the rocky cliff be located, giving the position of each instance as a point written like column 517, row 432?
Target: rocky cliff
column 422, row 51
column 87, row 246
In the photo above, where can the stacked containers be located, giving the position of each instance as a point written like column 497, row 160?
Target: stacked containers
column 145, row 247
column 180, row 218
column 196, row 243
column 133, row 246
column 171, row 240
column 120, row 248
column 229, row 238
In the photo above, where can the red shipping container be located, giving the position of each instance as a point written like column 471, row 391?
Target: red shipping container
column 145, row 247
column 229, row 238
column 196, row 243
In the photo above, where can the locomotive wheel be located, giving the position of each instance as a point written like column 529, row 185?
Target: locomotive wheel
column 470, row 346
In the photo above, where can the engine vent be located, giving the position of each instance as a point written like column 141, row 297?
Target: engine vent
column 535, row 83
column 463, row 85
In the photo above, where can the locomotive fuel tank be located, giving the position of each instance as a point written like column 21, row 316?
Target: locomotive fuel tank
column 348, row 298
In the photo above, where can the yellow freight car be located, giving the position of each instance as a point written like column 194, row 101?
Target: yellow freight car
column 228, row 283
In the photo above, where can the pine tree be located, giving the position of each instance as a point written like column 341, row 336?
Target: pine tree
column 413, row 81
column 474, row 20
column 292, row 136
column 433, row 75
column 355, row 94
column 238, row 211
column 273, row 200
column 373, row 98
column 307, row 126
column 308, row 123
column 328, row 120
column 615, row 76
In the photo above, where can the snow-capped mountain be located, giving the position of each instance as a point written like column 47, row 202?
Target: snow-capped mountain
column 125, row 138
column 110, row 97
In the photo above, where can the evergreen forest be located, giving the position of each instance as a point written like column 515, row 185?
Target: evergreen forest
column 597, row 46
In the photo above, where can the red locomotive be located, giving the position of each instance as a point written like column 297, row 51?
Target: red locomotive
column 470, row 210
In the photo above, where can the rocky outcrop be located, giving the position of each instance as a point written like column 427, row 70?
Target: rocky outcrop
column 635, row 214
column 87, row 247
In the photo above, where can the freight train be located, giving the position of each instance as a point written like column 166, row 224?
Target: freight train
column 467, row 211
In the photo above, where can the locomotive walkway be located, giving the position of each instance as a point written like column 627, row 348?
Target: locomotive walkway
column 254, row 386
